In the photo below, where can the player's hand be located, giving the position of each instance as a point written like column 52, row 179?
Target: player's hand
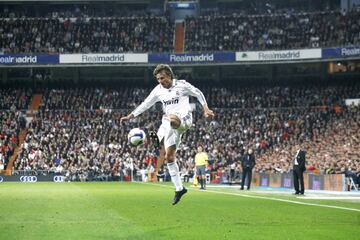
column 126, row 118
column 208, row 112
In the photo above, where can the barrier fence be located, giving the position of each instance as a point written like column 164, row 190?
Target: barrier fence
column 332, row 182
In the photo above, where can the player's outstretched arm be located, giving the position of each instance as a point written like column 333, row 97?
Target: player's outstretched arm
column 208, row 112
column 127, row 118
column 193, row 91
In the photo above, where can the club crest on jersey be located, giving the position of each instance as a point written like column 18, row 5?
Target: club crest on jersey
column 171, row 101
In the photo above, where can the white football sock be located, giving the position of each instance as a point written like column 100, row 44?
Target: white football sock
column 175, row 175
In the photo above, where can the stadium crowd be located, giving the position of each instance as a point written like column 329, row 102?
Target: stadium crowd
column 219, row 97
column 86, row 35
column 12, row 120
column 70, row 11
column 81, row 30
column 78, row 131
column 92, row 98
column 11, row 123
column 15, row 99
column 87, row 144
column 272, row 31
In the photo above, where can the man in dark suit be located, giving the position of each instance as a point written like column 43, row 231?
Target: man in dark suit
column 247, row 164
column 298, row 171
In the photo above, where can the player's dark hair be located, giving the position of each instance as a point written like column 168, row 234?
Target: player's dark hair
column 163, row 68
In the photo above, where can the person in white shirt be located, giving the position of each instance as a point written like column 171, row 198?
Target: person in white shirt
column 2, row 166
column 174, row 96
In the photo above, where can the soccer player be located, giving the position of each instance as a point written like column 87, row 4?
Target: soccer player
column 174, row 96
column 201, row 162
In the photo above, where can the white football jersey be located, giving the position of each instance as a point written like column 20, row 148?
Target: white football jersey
column 175, row 100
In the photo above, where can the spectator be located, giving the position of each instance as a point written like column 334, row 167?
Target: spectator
column 2, row 166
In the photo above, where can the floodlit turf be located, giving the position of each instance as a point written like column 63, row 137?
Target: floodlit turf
column 144, row 211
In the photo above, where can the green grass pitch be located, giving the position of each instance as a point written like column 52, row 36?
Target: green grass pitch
column 144, row 211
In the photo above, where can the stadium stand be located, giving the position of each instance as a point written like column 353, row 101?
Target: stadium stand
column 92, row 98
column 78, row 130
column 80, row 29
column 12, row 120
column 73, row 35
column 90, row 142
column 15, row 99
column 70, row 10
column 250, row 96
column 217, row 32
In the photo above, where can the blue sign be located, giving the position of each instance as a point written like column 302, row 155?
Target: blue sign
column 183, row 5
column 286, row 180
column 23, row 59
column 201, row 57
column 341, row 52
column 316, row 182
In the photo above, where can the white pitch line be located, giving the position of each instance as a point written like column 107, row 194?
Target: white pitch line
column 329, row 198
column 269, row 198
column 288, row 201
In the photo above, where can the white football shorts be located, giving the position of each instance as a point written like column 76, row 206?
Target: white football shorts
column 173, row 136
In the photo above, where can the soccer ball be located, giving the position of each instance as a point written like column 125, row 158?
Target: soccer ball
column 136, row 136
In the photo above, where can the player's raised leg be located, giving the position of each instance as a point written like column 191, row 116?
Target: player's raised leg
column 159, row 161
column 174, row 121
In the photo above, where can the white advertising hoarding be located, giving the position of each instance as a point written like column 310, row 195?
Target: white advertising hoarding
column 285, row 55
column 104, row 58
column 355, row 101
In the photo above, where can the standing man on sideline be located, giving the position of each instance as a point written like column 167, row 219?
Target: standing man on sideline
column 298, row 171
column 201, row 162
column 174, row 95
column 247, row 164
